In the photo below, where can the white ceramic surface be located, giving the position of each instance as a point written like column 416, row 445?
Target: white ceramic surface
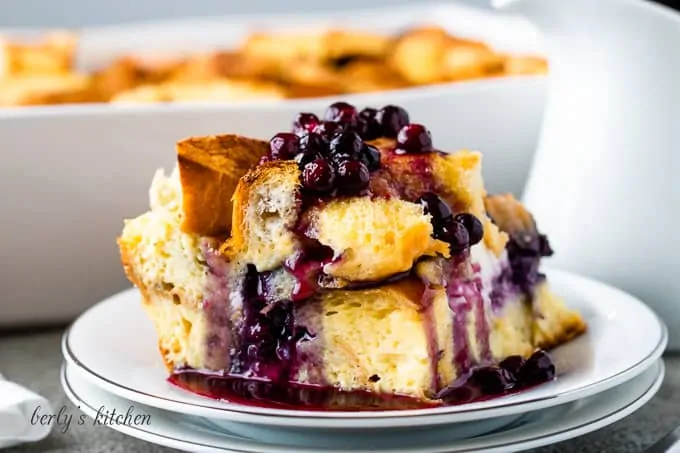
column 533, row 430
column 604, row 182
column 624, row 338
column 70, row 174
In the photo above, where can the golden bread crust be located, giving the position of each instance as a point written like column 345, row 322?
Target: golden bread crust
column 506, row 211
column 210, row 168
column 555, row 323
column 264, row 201
column 53, row 54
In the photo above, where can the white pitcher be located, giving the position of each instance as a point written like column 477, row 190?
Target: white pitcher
column 605, row 181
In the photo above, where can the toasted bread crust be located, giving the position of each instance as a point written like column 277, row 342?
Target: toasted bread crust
column 510, row 213
column 210, row 168
column 277, row 174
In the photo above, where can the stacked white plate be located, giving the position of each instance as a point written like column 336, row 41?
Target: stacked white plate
column 112, row 364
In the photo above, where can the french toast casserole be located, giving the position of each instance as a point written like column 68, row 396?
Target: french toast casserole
column 264, row 66
column 344, row 264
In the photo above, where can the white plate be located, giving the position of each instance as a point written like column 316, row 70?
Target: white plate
column 77, row 171
column 534, row 430
column 115, row 346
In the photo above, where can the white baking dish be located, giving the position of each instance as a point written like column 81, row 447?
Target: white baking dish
column 70, row 174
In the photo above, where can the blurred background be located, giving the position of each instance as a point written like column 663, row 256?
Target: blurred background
column 76, row 13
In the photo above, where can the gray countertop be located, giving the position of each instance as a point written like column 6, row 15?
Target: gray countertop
column 33, row 360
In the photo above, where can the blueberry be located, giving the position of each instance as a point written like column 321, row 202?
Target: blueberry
column 512, row 364
column 327, row 129
column 472, row 225
column 455, row 234
column 491, row 380
column 437, row 208
column 346, row 142
column 370, row 156
column 318, row 176
column 311, row 143
column 544, row 246
column 342, row 112
column 414, row 138
column 538, row 368
column 338, row 158
column 391, row 119
column 284, row 146
column 303, row 159
column 305, row 122
column 367, row 124
column 352, row 177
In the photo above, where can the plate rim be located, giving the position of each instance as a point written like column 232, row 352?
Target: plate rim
column 350, row 419
column 544, row 439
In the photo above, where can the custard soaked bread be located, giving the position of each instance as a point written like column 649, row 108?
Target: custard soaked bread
column 357, row 262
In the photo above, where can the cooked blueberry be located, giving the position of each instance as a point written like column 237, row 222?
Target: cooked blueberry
column 473, row 226
column 318, row 176
column 303, row 159
column 491, row 380
column 538, row 368
column 370, row 157
column 436, row 207
column 544, row 245
column 302, row 334
column 352, row 177
column 283, row 352
column 512, row 364
column 367, row 124
column 338, row 158
column 342, row 112
column 346, row 142
column 305, row 122
column 455, row 234
column 414, row 138
column 327, row 129
column 391, row 119
column 311, row 143
column 284, row 146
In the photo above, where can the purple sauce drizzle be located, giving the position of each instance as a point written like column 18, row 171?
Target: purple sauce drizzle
column 464, row 292
column 429, row 325
column 218, row 309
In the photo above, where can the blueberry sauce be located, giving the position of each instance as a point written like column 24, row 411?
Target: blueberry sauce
column 306, row 266
column 462, row 297
column 478, row 384
column 268, row 344
column 292, row 395
column 525, row 249
column 218, row 308
column 434, row 350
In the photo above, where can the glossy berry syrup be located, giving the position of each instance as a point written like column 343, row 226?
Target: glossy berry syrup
column 478, row 384
column 266, row 343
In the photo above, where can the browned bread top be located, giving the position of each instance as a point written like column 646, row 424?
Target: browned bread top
column 510, row 214
column 210, row 168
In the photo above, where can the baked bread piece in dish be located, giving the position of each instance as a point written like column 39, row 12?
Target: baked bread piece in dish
column 41, row 72
column 346, row 264
column 268, row 65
